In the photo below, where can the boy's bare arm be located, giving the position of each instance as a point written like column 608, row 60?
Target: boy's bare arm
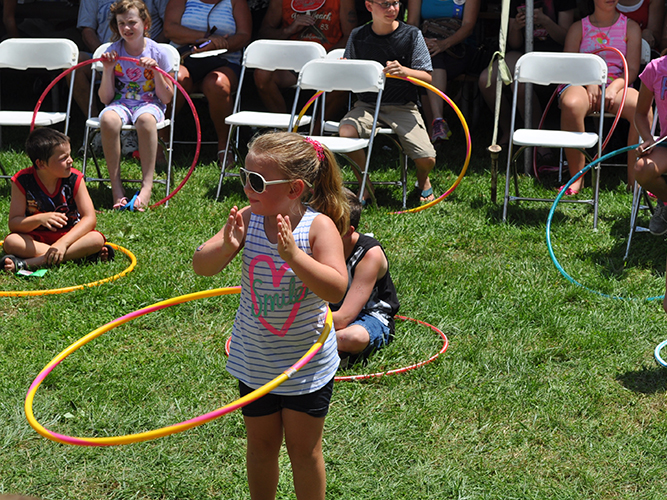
column 86, row 224
column 20, row 223
column 396, row 69
column 371, row 268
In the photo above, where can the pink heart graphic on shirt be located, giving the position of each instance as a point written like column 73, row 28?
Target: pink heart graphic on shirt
column 277, row 276
column 133, row 74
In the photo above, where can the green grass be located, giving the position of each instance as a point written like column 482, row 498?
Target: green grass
column 546, row 390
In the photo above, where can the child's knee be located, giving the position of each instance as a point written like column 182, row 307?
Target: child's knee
column 13, row 242
column 641, row 170
column 347, row 130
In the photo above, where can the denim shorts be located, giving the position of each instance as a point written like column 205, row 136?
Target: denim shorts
column 315, row 404
column 380, row 334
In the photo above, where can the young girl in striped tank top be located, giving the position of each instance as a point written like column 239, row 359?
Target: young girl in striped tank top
column 606, row 27
column 293, row 265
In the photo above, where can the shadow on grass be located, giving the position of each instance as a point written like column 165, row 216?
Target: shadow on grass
column 645, row 381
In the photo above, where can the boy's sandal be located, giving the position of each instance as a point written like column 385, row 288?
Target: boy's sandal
column 426, row 196
column 111, row 254
column 19, row 264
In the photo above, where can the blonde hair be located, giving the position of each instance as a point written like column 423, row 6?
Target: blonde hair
column 121, row 7
column 298, row 159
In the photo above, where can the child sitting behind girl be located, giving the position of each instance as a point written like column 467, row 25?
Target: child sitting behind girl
column 133, row 94
column 651, row 165
column 51, row 216
column 605, row 27
column 287, row 246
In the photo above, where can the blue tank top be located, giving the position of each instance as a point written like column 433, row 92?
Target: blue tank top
column 202, row 16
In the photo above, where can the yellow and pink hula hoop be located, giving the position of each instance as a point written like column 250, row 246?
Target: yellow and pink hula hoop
column 396, row 371
column 175, row 428
column 55, row 291
column 163, row 73
column 464, row 124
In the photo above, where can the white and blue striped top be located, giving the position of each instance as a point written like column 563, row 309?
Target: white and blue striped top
column 278, row 319
column 202, row 16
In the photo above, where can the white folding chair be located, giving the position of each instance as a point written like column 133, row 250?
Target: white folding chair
column 269, row 55
column 42, row 53
column 93, row 123
column 639, row 193
column 352, row 75
column 547, row 68
column 335, row 54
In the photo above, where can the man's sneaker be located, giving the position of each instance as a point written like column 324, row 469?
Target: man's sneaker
column 658, row 224
column 128, row 142
column 440, row 131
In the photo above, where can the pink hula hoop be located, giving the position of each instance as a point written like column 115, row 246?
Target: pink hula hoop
column 163, row 73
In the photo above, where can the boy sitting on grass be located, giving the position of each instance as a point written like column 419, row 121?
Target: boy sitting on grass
column 364, row 319
column 51, row 216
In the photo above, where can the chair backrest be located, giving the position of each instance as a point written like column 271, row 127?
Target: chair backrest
column 546, row 68
column 172, row 52
column 646, row 52
column 47, row 53
column 272, row 55
column 353, row 75
column 335, row 54
column 97, row 66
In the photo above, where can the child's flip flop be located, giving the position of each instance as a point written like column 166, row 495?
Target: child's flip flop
column 130, row 205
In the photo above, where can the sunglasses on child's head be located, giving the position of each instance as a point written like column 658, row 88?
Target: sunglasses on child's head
column 257, row 182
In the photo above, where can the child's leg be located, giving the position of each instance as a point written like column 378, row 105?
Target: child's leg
column 265, row 436
column 352, row 339
column 424, row 167
column 110, row 125
column 574, row 109
column 628, row 113
column 303, row 438
column 88, row 244
column 34, row 252
column 359, row 156
column 24, row 247
column 649, row 171
column 146, row 125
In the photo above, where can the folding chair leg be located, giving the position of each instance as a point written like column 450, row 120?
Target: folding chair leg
column 596, row 195
column 224, row 165
column 404, row 178
column 637, row 195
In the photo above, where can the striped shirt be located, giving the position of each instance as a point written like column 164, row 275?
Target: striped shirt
column 278, row 318
column 202, row 16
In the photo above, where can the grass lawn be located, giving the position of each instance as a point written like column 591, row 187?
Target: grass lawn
column 546, row 390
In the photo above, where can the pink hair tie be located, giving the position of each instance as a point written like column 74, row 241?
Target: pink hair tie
column 318, row 148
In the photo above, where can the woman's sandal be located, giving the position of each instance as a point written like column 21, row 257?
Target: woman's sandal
column 19, row 264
